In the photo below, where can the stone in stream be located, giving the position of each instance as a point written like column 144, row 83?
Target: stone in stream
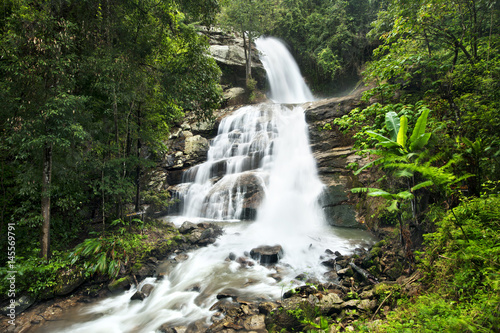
column 187, row 227
column 143, row 293
column 181, row 257
column 147, row 289
column 267, row 254
column 329, row 263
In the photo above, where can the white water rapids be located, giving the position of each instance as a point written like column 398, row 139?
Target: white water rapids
column 269, row 144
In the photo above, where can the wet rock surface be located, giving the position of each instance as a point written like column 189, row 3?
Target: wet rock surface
column 358, row 285
column 333, row 153
column 267, row 254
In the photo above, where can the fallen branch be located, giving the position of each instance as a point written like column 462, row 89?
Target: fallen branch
column 445, row 257
column 370, row 278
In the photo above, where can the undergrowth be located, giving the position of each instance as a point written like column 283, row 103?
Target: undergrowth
column 106, row 255
column 461, row 263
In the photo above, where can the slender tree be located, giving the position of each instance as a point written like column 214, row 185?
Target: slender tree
column 251, row 18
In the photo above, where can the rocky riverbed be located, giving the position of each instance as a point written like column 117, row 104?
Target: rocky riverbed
column 364, row 284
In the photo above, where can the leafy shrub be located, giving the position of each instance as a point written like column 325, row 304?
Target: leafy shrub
column 464, row 254
column 461, row 265
column 33, row 274
column 106, row 255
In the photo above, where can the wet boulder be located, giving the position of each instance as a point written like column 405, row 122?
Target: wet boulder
column 144, row 292
column 267, row 254
column 187, row 227
column 330, row 303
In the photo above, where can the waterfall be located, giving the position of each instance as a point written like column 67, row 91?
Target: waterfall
column 230, row 184
column 259, row 167
column 287, row 84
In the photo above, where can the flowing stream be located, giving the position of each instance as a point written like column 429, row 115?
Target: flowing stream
column 261, row 156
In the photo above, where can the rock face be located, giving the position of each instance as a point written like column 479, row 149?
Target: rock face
column 229, row 52
column 333, row 153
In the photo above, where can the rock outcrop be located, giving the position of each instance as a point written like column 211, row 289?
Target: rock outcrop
column 333, row 153
column 229, row 52
column 188, row 146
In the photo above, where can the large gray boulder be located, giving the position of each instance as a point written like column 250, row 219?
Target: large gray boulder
column 228, row 54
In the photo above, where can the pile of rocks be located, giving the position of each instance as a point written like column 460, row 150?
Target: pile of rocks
column 360, row 285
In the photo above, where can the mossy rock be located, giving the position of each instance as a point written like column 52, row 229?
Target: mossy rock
column 376, row 251
column 395, row 271
column 120, row 284
column 381, row 290
column 374, row 270
column 68, row 281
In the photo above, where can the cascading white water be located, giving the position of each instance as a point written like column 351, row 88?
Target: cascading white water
column 243, row 148
column 240, row 154
column 287, row 84
column 268, row 143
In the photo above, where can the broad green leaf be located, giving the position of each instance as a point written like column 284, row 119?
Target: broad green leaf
column 404, row 195
column 420, row 142
column 393, row 207
column 101, row 263
column 392, row 124
column 402, row 131
column 466, row 141
column 380, row 193
column 419, row 129
column 359, row 189
column 389, row 144
column 377, row 136
column 421, row 185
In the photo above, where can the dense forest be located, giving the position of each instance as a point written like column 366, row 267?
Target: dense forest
column 89, row 90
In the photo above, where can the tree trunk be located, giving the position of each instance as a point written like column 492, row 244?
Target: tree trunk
column 138, row 168
column 248, row 59
column 46, row 181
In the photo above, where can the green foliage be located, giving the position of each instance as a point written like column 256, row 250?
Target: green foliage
column 468, row 261
column 157, row 201
column 106, row 255
column 328, row 38
column 97, row 83
column 431, row 313
column 403, row 158
column 309, row 318
column 461, row 273
column 34, row 275
column 406, row 160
